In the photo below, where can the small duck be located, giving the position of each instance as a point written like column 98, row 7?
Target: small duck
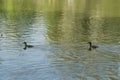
column 92, row 46
column 27, row 46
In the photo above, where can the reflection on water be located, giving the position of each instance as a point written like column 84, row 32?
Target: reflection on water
column 59, row 31
column 83, row 64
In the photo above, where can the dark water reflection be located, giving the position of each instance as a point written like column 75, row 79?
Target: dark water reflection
column 59, row 36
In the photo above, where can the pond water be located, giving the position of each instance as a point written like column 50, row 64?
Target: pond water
column 60, row 31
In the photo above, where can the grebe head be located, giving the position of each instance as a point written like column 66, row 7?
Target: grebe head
column 90, row 42
column 25, row 42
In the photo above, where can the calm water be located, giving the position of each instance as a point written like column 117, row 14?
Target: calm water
column 59, row 31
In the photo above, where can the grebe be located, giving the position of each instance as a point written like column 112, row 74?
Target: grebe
column 92, row 46
column 27, row 46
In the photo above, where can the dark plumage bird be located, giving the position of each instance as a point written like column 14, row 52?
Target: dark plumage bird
column 27, row 46
column 92, row 46
column 1, row 35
